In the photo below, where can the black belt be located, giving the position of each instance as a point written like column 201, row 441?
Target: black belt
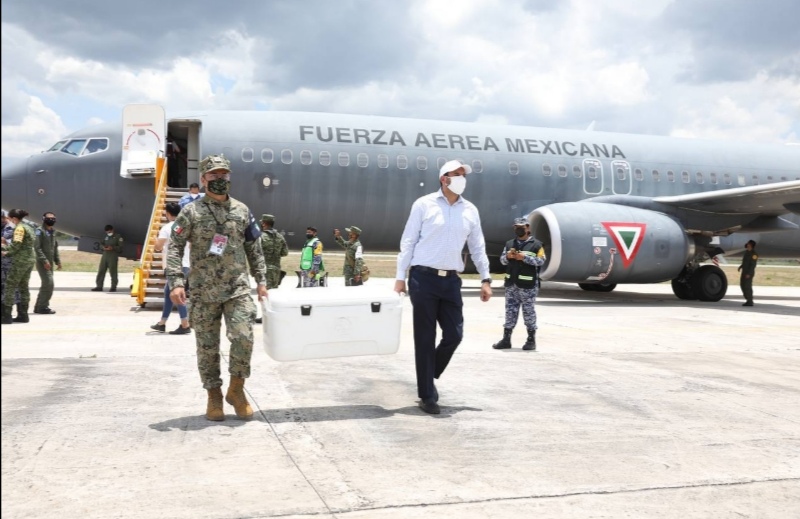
column 438, row 272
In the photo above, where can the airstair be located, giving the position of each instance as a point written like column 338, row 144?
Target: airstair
column 149, row 278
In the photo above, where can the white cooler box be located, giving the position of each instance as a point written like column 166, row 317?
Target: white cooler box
column 318, row 323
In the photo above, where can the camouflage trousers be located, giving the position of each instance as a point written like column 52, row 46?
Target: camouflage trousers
column 348, row 274
column 4, row 271
column 17, row 279
column 205, row 318
column 308, row 281
column 273, row 276
column 526, row 298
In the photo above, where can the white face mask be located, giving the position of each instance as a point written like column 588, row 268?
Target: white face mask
column 457, row 184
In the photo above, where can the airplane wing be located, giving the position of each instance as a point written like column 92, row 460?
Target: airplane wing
column 769, row 199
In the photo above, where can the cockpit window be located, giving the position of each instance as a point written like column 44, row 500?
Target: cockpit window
column 56, row 146
column 95, row 145
column 74, row 147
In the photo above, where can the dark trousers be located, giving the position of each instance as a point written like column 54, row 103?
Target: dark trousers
column 747, row 288
column 436, row 299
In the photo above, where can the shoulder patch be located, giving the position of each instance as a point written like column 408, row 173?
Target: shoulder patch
column 38, row 232
column 177, row 229
column 19, row 233
column 755, row 256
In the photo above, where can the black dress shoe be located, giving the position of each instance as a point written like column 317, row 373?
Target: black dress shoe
column 429, row 406
column 97, row 289
column 43, row 311
column 112, row 289
column 749, row 303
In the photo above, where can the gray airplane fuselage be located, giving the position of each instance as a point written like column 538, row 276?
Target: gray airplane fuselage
column 332, row 171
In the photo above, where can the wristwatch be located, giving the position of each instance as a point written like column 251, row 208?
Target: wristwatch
column 487, row 280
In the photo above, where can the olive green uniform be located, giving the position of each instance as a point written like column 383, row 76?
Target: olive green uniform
column 274, row 247
column 748, row 268
column 23, row 257
column 353, row 259
column 109, row 261
column 46, row 247
column 220, row 285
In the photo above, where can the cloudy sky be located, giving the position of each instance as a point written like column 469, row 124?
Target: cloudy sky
column 726, row 69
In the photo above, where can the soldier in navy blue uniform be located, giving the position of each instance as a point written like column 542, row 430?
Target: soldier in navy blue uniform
column 522, row 257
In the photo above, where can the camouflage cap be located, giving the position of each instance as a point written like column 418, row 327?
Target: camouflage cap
column 267, row 218
column 353, row 229
column 213, row 163
column 520, row 221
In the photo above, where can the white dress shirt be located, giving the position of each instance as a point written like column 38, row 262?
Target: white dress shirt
column 435, row 234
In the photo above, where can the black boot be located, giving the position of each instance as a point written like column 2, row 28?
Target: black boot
column 7, row 315
column 505, row 342
column 22, row 314
column 530, row 344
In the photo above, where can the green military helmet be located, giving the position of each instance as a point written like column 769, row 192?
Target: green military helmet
column 353, row 229
column 267, row 218
column 214, row 162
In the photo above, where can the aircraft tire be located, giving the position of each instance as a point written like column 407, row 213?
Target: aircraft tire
column 709, row 283
column 683, row 290
column 605, row 288
column 589, row 287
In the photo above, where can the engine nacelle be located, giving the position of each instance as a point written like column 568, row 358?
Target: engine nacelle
column 604, row 243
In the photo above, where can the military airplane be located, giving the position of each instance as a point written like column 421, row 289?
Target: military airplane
column 610, row 208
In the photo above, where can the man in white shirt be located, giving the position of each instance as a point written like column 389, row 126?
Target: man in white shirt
column 162, row 245
column 193, row 194
column 437, row 228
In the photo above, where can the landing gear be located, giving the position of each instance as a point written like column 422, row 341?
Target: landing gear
column 707, row 283
column 594, row 287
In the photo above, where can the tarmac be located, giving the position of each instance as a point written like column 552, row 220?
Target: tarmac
column 636, row 404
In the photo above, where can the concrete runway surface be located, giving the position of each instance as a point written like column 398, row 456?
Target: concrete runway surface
column 636, row 405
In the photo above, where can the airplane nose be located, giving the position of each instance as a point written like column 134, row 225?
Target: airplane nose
column 14, row 186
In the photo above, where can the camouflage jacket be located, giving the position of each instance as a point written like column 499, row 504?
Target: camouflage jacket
column 274, row 246
column 216, row 277
column 46, row 247
column 20, row 248
column 353, row 255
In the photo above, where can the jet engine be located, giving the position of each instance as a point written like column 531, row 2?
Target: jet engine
column 600, row 245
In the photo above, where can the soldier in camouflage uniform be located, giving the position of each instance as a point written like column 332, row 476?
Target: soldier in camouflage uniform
column 20, row 250
column 112, row 247
column 274, row 247
column 748, row 270
column 46, row 247
column 8, row 232
column 224, row 239
column 353, row 255
column 522, row 257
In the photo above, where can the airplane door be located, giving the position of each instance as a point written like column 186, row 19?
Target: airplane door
column 143, row 140
column 592, row 176
column 621, row 177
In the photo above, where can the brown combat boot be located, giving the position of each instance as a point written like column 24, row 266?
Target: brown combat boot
column 236, row 398
column 214, row 408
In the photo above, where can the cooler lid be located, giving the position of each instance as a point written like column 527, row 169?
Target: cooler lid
column 331, row 296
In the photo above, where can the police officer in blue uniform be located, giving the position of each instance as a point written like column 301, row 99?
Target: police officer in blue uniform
column 522, row 257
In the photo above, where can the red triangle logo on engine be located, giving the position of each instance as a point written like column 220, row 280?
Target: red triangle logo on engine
column 628, row 237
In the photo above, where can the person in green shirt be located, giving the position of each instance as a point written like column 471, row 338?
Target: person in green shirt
column 748, row 270
column 47, row 257
column 112, row 247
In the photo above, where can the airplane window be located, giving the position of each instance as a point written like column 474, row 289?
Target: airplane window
column 656, row 176
column 440, row 162
column 267, row 156
column 742, row 180
column 422, row 163
column 637, row 174
column 402, row 162
column 74, row 147
column 562, row 170
column 755, row 180
column 698, row 177
column 713, row 177
column 783, row 179
column 769, row 178
column 363, row 160
column 287, row 156
column 247, row 154
column 670, row 176
column 621, row 174
column 727, row 177
column 592, row 173
column 95, row 145
column 513, row 168
column 577, row 172
column 477, row 166
column 324, row 158
column 547, row 170
column 305, row 157
column 383, row 160
column 344, row 159
column 685, row 177
column 56, row 146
